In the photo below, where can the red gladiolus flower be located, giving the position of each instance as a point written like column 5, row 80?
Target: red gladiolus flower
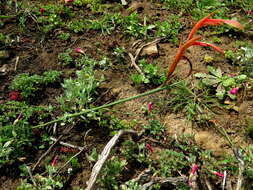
column 234, row 91
column 191, row 40
column 15, row 95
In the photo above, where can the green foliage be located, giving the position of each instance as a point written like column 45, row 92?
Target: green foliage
column 15, row 131
column 181, row 5
column 79, row 92
column 53, row 17
column 133, row 26
column 42, row 183
column 194, row 101
column 152, row 74
column 169, row 29
column 106, row 24
column 65, row 58
column 29, row 84
column 132, row 185
column 222, row 83
column 64, row 36
column 168, row 165
column 119, row 52
column 77, row 26
column 111, row 172
column 155, row 128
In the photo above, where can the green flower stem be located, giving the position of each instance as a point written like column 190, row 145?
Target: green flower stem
column 6, row 16
column 106, row 105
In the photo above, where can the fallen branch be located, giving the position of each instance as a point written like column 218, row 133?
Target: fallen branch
column 49, row 149
column 103, row 157
column 66, row 144
column 163, row 181
column 239, row 157
column 81, row 150
column 133, row 63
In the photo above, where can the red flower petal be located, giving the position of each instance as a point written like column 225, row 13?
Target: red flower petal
column 204, row 44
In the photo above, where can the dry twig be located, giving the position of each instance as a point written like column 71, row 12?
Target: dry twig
column 66, row 144
column 104, row 155
column 239, row 157
column 49, row 149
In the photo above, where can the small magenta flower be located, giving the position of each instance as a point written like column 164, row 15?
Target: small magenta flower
column 54, row 162
column 234, row 91
column 79, row 50
column 194, row 168
column 69, row 1
column 42, row 10
column 150, row 106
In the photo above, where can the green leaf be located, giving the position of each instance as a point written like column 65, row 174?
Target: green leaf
column 210, row 81
column 228, row 82
column 220, row 92
column 216, row 72
column 241, row 77
column 201, row 75
column 232, row 96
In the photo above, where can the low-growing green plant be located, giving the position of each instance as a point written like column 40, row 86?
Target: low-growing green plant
column 151, row 74
column 168, row 165
column 111, row 172
column 131, row 185
column 194, row 101
column 65, row 58
column 223, row 84
column 79, row 93
column 155, row 128
column 183, row 5
column 16, row 129
column 30, row 84
column 78, row 26
column 169, row 28
column 119, row 52
column 64, row 36
column 52, row 17
column 106, row 24
column 43, row 183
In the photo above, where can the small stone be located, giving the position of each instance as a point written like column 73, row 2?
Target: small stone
column 150, row 50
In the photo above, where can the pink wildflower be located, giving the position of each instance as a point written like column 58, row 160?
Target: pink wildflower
column 150, row 106
column 42, row 10
column 194, row 168
column 69, row 1
column 79, row 50
column 54, row 162
column 234, row 91
column 15, row 95
column 150, row 148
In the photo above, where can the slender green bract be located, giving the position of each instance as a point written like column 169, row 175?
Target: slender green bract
column 106, row 105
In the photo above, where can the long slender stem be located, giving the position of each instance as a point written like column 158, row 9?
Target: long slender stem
column 106, row 105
